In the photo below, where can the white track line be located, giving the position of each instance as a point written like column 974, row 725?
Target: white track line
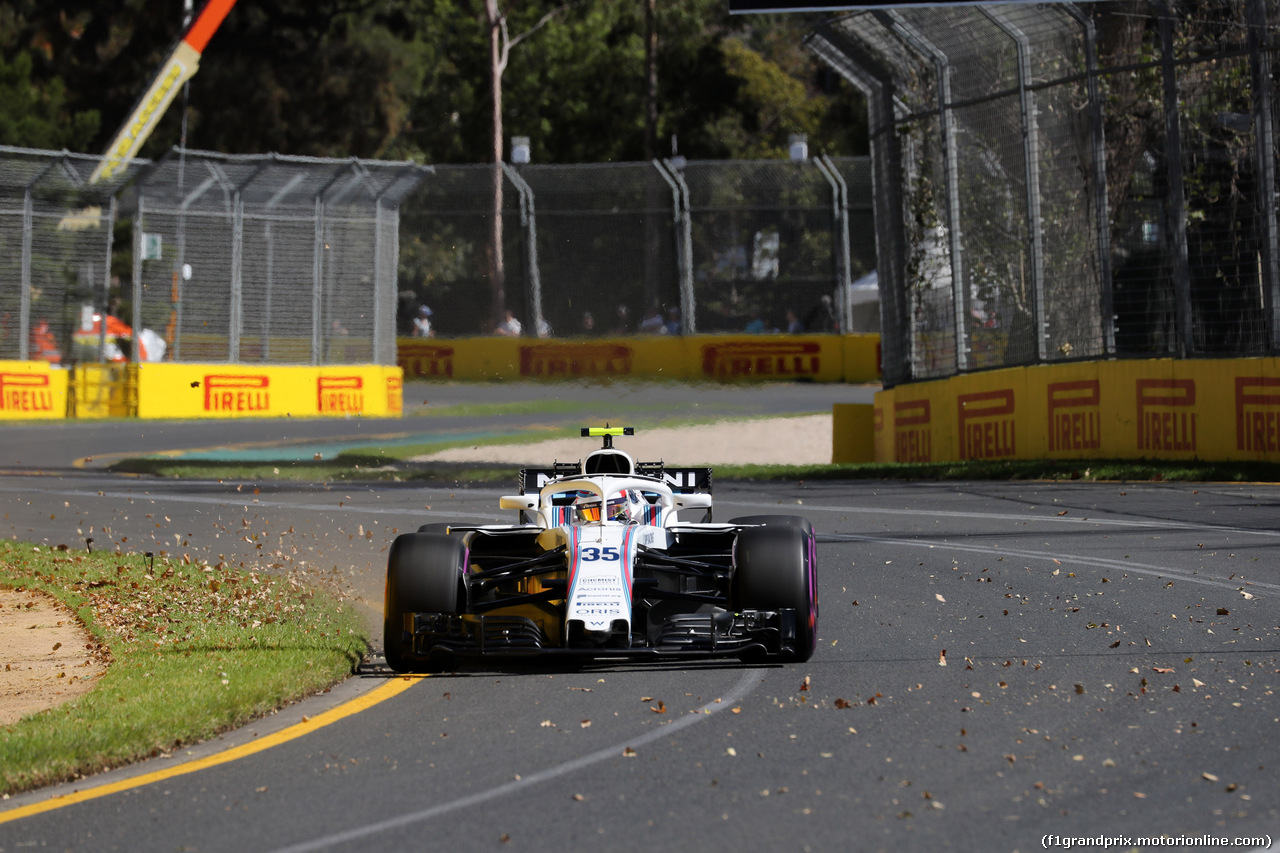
column 744, row 686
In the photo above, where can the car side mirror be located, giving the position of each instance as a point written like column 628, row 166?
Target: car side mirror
column 521, row 502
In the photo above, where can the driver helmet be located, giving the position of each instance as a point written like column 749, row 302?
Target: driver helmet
column 627, row 506
column 587, row 507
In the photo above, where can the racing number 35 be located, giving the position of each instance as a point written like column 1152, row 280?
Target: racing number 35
column 609, row 555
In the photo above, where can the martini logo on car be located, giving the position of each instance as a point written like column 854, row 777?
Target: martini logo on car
column 1166, row 414
column 236, row 393
column 767, row 358
column 1074, row 418
column 340, row 394
column 419, row 359
column 913, row 431
column 1258, row 413
column 548, row 361
column 986, row 424
column 25, row 392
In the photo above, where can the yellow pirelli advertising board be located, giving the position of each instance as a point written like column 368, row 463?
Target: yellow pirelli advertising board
column 32, row 390
column 719, row 358
column 245, row 391
column 1227, row 409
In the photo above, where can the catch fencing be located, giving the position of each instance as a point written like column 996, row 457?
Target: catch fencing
column 289, row 260
column 55, row 252
column 624, row 248
column 269, row 259
column 1058, row 182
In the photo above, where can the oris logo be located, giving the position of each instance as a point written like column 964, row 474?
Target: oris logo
column 417, row 359
column 25, row 392
column 1166, row 419
column 236, row 393
column 558, row 361
column 766, row 358
column 340, row 394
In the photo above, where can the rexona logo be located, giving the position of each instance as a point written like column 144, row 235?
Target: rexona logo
column 1258, row 413
column 425, row 359
column 766, row 358
column 340, row 394
column 1075, row 422
column 566, row 360
column 986, row 424
column 1166, row 419
column 913, row 431
column 395, row 395
column 236, row 393
column 25, row 392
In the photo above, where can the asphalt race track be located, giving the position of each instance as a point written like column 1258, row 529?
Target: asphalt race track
column 997, row 663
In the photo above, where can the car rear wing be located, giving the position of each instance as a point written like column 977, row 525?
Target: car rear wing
column 682, row 481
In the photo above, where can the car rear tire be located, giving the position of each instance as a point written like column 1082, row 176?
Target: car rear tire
column 424, row 575
column 774, row 569
column 434, row 527
column 797, row 521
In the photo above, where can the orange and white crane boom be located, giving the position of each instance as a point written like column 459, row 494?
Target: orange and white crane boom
column 178, row 68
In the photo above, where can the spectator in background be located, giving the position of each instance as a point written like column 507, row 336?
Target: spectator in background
column 756, row 326
column 652, row 323
column 673, row 321
column 422, row 324
column 621, row 321
column 794, row 326
column 822, row 317
column 588, row 323
column 44, row 346
column 509, row 327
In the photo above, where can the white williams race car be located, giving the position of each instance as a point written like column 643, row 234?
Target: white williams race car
column 609, row 558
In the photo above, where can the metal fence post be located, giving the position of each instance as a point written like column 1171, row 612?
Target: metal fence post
column 1177, row 201
column 1031, row 155
column 317, row 281
column 1097, row 139
column 950, row 156
column 24, row 312
column 856, row 65
column 684, row 250
column 378, row 272
column 236, row 319
column 840, row 223
column 1264, row 156
column 529, row 220
column 139, row 224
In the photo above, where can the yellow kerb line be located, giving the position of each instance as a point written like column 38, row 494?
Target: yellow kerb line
column 333, row 715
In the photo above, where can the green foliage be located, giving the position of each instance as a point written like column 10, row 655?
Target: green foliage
column 411, row 80
column 35, row 116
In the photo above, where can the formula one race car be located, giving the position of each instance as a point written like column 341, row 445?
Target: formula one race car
column 603, row 563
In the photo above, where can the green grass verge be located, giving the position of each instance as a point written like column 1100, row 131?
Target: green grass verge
column 194, row 650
